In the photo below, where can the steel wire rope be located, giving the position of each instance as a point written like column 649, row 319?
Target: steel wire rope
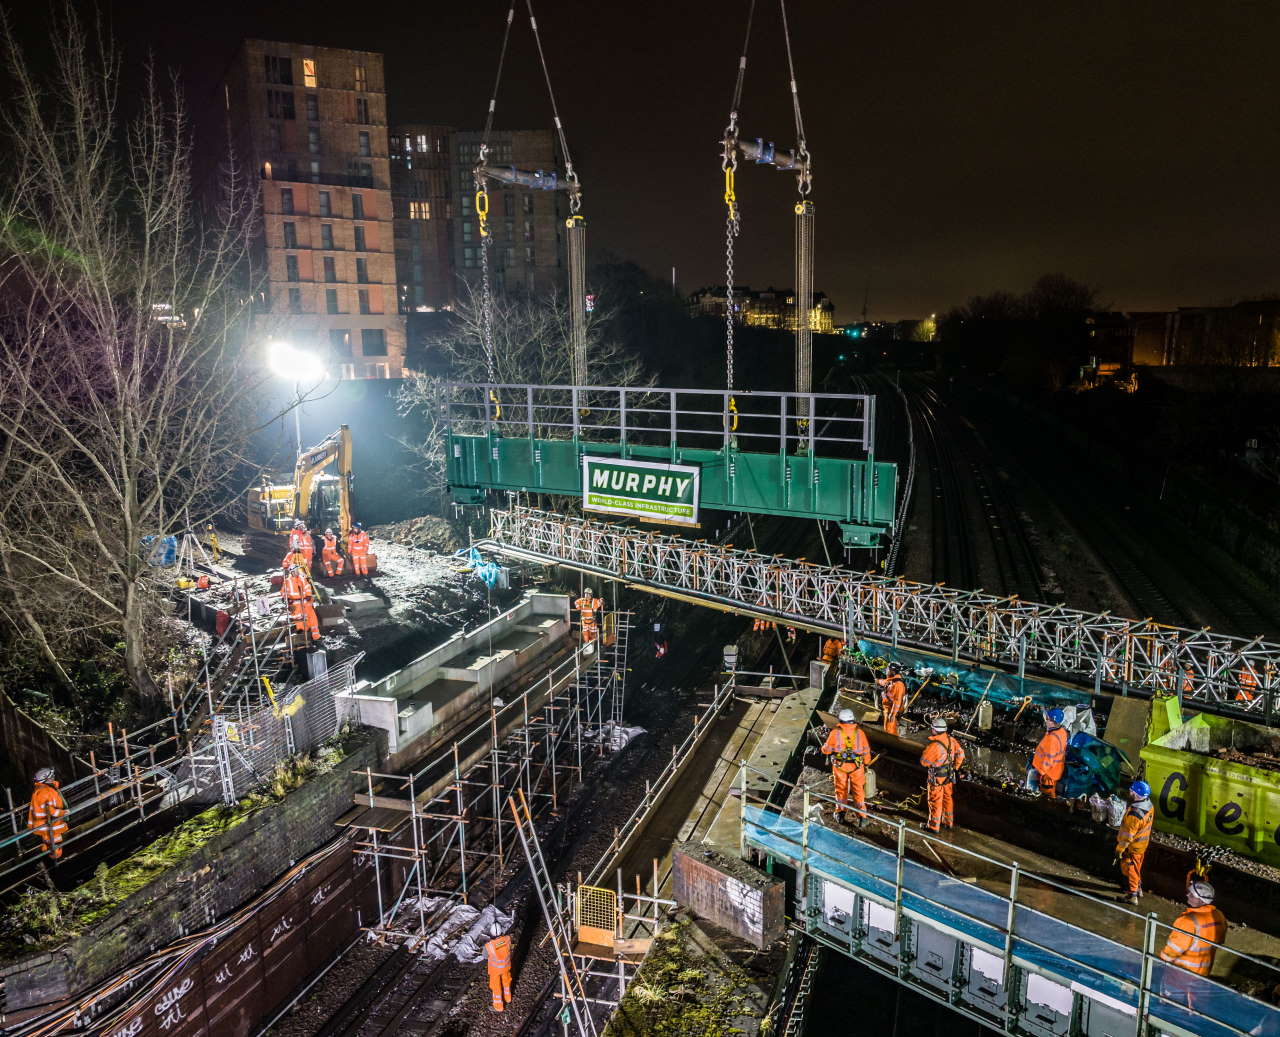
column 482, row 192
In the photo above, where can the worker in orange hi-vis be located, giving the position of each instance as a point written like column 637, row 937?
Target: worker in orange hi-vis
column 300, row 542
column 893, row 697
column 1196, row 932
column 850, row 753
column 358, row 549
column 588, row 605
column 296, row 591
column 497, row 955
column 1133, row 838
column 47, row 815
column 1246, row 684
column 942, row 758
column 1049, row 763
column 329, row 554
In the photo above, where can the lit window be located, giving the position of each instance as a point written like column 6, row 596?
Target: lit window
column 422, row 143
column 362, row 78
column 309, row 72
column 339, row 342
column 419, row 210
column 315, row 171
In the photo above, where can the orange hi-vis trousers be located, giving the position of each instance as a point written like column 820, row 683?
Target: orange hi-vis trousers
column 941, row 799
column 850, row 783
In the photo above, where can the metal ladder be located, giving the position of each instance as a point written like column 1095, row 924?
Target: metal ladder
column 618, row 675
column 556, row 916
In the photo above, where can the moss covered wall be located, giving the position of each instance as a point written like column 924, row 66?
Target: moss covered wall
column 217, row 878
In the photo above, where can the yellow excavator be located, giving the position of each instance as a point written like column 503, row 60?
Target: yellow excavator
column 318, row 497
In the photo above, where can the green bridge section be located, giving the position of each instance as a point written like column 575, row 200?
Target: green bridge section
column 859, row 495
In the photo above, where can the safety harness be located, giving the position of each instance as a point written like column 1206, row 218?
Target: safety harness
column 848, row 754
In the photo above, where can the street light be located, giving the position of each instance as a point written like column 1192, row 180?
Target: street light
column 298, row 366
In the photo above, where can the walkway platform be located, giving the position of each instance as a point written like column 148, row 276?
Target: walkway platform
column 1027, row 957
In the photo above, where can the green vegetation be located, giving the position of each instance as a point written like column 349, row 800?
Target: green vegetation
column 41, row 918
column 681, row 993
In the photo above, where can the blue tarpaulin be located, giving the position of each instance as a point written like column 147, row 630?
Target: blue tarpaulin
column 160, row 550
column 969, row 682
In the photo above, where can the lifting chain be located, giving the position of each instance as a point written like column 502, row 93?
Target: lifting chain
column 729, row 163
column 486, row 259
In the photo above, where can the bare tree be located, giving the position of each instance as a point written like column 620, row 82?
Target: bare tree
column 127, row 382
column 530, row 346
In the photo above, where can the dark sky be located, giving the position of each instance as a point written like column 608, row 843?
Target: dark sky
column 958, row 148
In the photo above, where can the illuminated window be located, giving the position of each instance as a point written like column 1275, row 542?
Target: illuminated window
column 309, row 72
column 339, row 342
column 422, row 143
column 362, row 78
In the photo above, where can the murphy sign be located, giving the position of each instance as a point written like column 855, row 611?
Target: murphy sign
column 641, row 489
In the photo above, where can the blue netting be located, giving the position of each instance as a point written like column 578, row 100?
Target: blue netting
column 160, row 550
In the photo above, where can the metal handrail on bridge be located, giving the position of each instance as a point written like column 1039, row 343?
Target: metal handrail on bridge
column 1095, row 651
column 636, row 415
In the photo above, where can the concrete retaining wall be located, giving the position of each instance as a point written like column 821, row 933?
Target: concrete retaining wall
column 219, row 877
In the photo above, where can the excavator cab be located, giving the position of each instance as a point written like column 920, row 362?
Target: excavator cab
column 319, row 494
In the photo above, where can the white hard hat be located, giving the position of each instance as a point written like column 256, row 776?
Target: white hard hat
column 939, row 724
column 1202, row 889
column 846, row 716
column 588, row 592
column 45, row 774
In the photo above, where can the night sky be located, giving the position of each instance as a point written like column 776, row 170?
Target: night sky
column 958, row 148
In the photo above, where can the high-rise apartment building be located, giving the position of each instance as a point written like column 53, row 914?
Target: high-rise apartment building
column 311, row 124
column 422, row 197
column 528, row 251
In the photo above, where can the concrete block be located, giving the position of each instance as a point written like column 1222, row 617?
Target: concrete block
column 729, row 892
column 360, row 603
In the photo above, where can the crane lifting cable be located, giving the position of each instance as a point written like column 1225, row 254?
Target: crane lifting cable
column 763, row 152
column 535, row 180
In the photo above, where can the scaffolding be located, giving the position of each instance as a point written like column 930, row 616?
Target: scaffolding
column 1091, row 651
column 443, row 830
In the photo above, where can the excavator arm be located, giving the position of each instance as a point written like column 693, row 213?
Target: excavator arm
column 336, row 449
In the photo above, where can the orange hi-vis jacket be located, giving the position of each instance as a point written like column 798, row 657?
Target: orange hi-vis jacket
column 1191, row 941
column 587, row 608
column 330, row 541
column 47, row 815
column 1135, row 829
column 1050, row 760
column 1248, row 684
column 358, row 542
column 848, row 746
column 300, row 540
column 943, row 755
column 295, row 588
column 497, row 952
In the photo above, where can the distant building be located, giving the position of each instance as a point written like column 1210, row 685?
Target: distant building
column 528, row 250
column 311, row 125
column 1245, row 334
column 422, row 194
column 771, row 308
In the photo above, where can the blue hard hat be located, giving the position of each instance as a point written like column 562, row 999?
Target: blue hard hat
column 1054, row 715
column 1140, row 789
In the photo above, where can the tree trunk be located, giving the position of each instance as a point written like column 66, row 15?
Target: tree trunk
column 133, row 630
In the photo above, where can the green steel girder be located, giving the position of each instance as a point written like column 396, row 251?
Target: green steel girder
column 858, row 495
